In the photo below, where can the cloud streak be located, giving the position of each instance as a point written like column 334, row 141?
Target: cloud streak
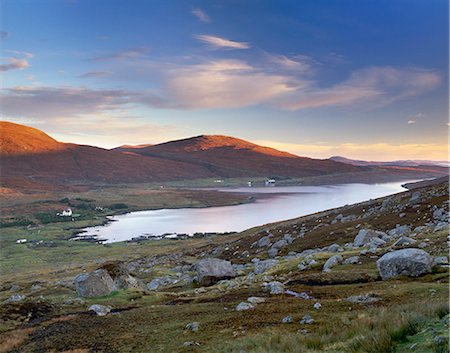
column 201, row 15
column 94, row 74
column 18, row 62
column 221, row 43
column 128, row 54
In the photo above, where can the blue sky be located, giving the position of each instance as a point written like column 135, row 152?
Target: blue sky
column 364, row 79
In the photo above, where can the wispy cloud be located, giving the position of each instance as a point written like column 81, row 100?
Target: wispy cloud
column 4, row 34
column 200, row 14
column 413, row 119
column 221, row 43
column 223, row 84
column 19, row 61
column 131, row 53
column 382, row 84
column 298, row 63
column 94, row 74
column 52, row 102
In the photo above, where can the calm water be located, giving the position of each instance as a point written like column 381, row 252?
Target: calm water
column 277, row 203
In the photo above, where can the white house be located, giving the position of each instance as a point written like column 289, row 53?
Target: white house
column 66, row 213
column 270, row 182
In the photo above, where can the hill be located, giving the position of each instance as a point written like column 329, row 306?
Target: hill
column 229, row 157
column 29, row 154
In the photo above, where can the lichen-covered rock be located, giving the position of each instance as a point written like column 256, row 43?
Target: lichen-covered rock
column 94, row 284
column 366, row 235
column 409, row 262
column 263, row 266
column 210, row 271
column 351, row 260
column 331, row 262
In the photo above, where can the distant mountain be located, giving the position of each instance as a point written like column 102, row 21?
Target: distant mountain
column 400, row 163
column 229, row 157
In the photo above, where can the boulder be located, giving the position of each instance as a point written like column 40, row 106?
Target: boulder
column 279, row 244
column 263, row 266
column 264, row 241
column 307, row 319
column 351, row 260
column 193, row 326
column 275, row 287
column 331, row 262
column 287, row 320
column 159, row 282
column 210, row 271
column 402, row 241
column 366, row 235
column 100, row 310
column 121, row 276
column 244, row 306
column 335, row 248
column 409, row 262
column 94, row 284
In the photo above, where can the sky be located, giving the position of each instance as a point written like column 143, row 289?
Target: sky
column 318, row 78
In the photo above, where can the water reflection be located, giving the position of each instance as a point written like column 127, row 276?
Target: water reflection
column 277, row 203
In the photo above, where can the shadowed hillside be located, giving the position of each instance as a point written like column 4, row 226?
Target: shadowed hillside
column 230, row 157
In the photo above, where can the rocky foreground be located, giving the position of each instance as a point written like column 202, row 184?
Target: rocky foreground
column 370, row 277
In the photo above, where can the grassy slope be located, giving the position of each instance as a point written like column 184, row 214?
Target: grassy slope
column 155, row 321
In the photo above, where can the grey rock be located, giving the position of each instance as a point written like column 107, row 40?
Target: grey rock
column 279, row 244
column 317, row 306
column 190, row 344
column 275, row 287
column 366, row 235
column 15, row 298
column 287, row 320
column 193, row 326
column 264, row 241
column 402, row 241
column 415, row 198
column 272, row 252
column 288, row 238
column 210, row 271
column 439, row 214
column 335, row 248
column 159, row 282
column 376, row 242
column 36, row 287
column 440, row 260
column 302, row 295
column 263, row 266
column 94, row 284
column 244, row 306
column 351, row 260
column 100, row 310
column 363, row 299
column 256, row 300
column 399, row 231
column 307, row 319
column 331, row 262
column 409, row 262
